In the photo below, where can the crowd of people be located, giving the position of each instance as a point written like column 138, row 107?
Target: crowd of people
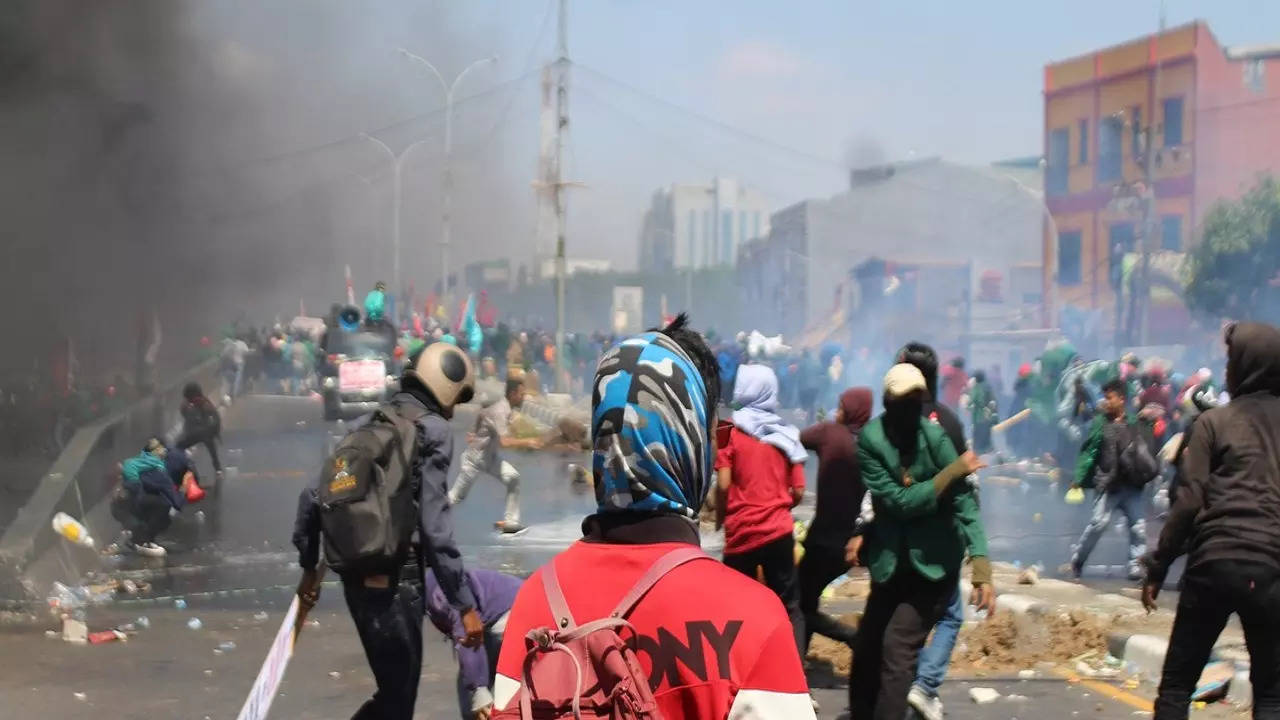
column 896, row 492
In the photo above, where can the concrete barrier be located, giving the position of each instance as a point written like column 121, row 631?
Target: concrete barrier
column 83, row 475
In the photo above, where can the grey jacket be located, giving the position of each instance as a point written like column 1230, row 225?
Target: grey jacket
column 434, row 454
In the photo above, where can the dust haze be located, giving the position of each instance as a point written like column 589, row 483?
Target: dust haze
column 202, row 161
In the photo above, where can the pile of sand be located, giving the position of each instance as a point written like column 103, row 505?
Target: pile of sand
column 1008, row 643
column 1002, row 643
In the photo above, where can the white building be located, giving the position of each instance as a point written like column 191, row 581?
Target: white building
column 700, row 226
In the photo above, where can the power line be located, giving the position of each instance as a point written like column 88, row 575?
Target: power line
column 759, row 139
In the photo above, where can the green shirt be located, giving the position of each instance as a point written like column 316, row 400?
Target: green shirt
column 916, row 523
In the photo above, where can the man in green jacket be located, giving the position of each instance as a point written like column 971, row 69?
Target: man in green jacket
column 1118, row 474
column 926, row 520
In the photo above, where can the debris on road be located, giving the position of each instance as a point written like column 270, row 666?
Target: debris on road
column 107, row 636
column 80, row 696
column 1029, row 576
column 75, row 631
column 180, row 604
column 260, row 616
column 143, row 622
column 1215, row 681
column 227, row 646
column 194, row 624
column 983, row 695
column 335, row 675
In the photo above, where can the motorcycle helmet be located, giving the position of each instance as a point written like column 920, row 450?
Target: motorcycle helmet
column 446, row 372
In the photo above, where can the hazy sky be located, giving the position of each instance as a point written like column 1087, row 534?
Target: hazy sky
column 839, row 81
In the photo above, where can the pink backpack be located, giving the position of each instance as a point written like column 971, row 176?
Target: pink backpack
column 588, row 671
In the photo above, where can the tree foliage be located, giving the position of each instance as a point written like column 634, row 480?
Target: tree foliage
column 1234, row 271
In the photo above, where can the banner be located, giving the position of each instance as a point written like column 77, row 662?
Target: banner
column 271, row 673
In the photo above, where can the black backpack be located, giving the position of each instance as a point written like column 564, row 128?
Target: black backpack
column 1136, row 465
column 368, row 502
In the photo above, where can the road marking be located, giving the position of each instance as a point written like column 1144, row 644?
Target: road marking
column 1111, row 691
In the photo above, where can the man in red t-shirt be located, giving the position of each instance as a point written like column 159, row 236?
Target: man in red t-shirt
column 760, row 477
column 713, row 643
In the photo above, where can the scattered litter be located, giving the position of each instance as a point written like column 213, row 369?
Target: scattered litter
column 1030, row 576
column 106, row 636
column 71, row 529
column 180, row 604
column 1142, row 712
column 194, row 624
column 1131, row 683
column 208, row 673
column 80, row 696
column 128, row 587
column 313, row 623
column 1214, row 682
column 1026, row 674
column 75, row 631
column 227, row 646
column 1112, row 661
column 1016, row 698
column 260, row 616
column 143, row 622
column 51, row 634
column 983, row 695
column 200, row 516
column 335, row 674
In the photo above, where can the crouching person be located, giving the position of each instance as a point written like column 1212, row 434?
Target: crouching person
column 494, row 592
column 148, row 498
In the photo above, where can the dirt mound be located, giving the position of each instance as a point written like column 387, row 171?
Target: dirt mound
column 1002, row 643
column 1007, row 642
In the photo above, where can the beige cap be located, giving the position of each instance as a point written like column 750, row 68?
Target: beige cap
column 902, row 379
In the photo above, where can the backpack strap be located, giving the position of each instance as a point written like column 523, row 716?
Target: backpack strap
column 656, row 572
column 555, row 598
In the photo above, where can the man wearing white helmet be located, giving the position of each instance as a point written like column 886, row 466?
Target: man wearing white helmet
column 388, row 608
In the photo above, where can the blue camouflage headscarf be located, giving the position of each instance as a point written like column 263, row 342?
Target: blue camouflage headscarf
column 649, row 428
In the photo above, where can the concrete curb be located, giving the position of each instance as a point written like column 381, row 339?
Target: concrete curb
column 1147, row 654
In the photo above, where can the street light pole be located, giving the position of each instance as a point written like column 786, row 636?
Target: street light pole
column 447, row 202
column 397, row 161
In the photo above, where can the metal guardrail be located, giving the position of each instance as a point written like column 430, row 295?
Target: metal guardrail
column 83, row 474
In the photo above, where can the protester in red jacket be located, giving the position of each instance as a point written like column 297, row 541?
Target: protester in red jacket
column 714, row 643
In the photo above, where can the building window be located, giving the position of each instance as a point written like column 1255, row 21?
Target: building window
column 1135, row 129
column 1083, row 153
column 1172, row 122
column 1120, row 240
column 1055, row 174
column 1069, row 258
column 726, row 235
column 1110, row 149
column 1255, row 76
column 1171, row 233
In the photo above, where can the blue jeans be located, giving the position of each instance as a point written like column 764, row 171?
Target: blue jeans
column 1130, row 501
column 935, row 658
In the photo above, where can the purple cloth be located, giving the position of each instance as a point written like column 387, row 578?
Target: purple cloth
column 495, row 593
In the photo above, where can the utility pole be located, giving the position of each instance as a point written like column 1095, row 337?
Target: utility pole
column 1140, row 283
column 562, row 122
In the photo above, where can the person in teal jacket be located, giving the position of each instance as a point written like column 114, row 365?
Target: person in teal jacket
column 926, row 520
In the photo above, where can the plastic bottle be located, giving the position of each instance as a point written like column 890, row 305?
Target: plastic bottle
column 194, row 624
column 71, row 529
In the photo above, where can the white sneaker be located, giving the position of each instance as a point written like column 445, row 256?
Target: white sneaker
column 930, row 708
column 149, row 549
column 509, row 527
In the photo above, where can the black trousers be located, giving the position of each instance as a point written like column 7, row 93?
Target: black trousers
column 187, row 440
column 389, row 622
column 900, row 614
column 1210, row 594
column 778, row 561
column 819, row 566
column 143, row 514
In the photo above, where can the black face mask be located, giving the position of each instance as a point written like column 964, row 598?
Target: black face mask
column 902, row 424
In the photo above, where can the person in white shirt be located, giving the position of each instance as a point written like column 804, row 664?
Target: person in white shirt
column 490, row 435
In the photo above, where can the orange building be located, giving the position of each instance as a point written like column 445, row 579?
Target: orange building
column 1214, row 121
